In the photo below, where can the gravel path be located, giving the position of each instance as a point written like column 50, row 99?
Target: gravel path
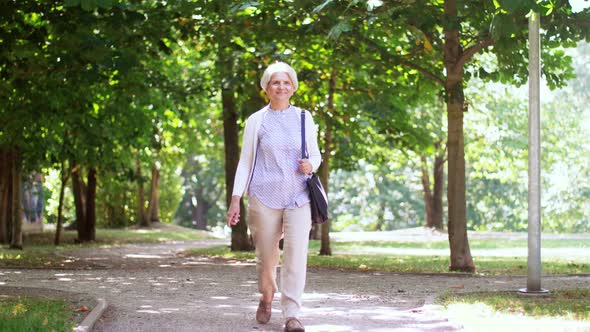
column 153, row 288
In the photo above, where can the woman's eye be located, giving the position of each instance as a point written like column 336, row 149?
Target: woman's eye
column 283, row 83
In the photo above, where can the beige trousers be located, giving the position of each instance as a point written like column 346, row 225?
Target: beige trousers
column 267, row 226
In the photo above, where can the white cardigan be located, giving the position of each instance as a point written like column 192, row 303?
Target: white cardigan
column 250, row 142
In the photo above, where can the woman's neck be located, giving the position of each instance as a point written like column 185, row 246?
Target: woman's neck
column 279, row 106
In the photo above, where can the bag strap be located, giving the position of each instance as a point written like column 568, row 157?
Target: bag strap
column 303, row 149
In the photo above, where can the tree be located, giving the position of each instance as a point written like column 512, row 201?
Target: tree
column 440, row 39
column 77, row 77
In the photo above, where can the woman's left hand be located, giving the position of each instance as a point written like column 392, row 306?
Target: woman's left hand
column 305, row 166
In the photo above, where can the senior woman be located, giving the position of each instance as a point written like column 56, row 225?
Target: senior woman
column 273, row 175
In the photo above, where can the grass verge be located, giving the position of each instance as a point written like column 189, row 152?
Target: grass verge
column 569, row 304
column 487, row 265
column 33, row 314
column 39, row 251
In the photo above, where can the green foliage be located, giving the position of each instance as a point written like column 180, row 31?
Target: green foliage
column 106, row 83
column 416, row 39
column 116, row 203
column 496, row 154
column 198, row 135
column 171, row 192
column 99, row 83
column 373, row 197
column 34, row 314
column 52, row 186
column 89, row 4
column 496, row 162
column 203, row 184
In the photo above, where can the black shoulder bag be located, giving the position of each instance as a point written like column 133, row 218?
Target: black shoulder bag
column 317, row 195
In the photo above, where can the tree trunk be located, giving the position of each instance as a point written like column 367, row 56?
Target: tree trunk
column 461, row 259
column 437, row 192
column 325, row 248
column 17, row 211
column 4, row 195
column 110, row 215
column 199, row 212
column 79, row 191
column 426, row 192
column 380, row 217
column 9, row 204
column 153, row 211
column 4, row 212
column 433, row 194
column 239, row 235
column 58, row 228
column 141, row 217
column 316, row 232
column 240, row 241
column 460, row 253
column 87, row 228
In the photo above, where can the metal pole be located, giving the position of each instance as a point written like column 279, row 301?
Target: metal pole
column 534, row 227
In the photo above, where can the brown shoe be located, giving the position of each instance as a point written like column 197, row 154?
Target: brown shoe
column 293, row 324
column 263, row 312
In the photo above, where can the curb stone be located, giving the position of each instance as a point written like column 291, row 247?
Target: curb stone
column 93, row 316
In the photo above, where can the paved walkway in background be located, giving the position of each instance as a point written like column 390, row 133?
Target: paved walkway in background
column 154, row 288
column 422, row 234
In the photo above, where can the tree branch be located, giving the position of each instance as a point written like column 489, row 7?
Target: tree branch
column 424, row 72
column 471, row 51
column 431, row 36
column 395, row 59
column 584, row 24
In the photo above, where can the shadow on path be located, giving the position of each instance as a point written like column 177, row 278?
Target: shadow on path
column 153, row 288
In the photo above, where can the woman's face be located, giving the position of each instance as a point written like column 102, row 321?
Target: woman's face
column 279, row 88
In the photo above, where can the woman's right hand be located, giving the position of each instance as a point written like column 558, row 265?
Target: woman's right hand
column 233, row 213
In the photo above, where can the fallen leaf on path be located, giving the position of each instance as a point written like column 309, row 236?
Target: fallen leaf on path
column 82, row 308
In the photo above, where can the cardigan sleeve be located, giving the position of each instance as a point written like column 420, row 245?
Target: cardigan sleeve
column 244, row 165
column 311, row 139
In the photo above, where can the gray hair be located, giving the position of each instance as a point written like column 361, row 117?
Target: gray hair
column 276, row 68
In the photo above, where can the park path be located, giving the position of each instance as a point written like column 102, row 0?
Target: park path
column 155, row 288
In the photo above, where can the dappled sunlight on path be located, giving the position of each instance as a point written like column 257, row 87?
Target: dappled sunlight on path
column 482, row 318
column 154, row 288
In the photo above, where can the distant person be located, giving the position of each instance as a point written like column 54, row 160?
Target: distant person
column 273, row 175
